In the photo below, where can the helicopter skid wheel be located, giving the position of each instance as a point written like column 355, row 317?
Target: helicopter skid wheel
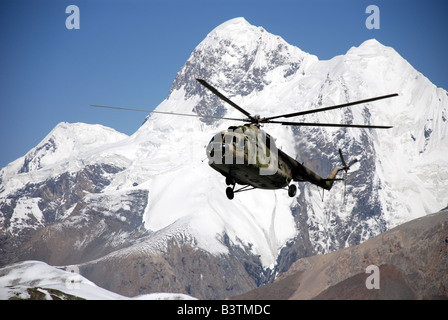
column 229, row 193
column 229, row 180
column 292, row 190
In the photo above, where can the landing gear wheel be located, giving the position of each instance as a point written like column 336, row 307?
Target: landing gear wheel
column 292, row 190
column 229, row 192
column 229, row 181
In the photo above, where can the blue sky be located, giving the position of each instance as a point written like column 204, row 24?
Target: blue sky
column 127, row 53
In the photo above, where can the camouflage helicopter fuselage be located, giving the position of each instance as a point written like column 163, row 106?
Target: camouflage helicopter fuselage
column 248, row 156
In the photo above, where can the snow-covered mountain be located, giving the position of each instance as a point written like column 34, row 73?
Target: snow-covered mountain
column 90, row 196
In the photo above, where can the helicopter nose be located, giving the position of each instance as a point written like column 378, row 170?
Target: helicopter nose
column 210, row 150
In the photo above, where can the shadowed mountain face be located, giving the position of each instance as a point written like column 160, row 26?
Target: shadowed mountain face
column 392, row 285
column 412, row 262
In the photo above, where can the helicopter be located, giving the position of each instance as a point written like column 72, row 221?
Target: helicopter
column 247, row 156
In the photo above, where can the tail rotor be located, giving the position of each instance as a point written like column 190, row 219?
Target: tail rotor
column 346, row 167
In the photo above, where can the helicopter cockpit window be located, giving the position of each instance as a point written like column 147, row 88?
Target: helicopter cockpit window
column 220, row 136
column 268, row 141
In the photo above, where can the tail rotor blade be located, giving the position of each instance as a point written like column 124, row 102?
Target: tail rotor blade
column 346, row 167
column 352, row 162
column 342, row 160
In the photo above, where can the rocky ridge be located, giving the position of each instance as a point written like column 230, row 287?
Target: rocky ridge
column 412, row 262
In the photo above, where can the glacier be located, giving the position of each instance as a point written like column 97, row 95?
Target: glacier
column 157, row 181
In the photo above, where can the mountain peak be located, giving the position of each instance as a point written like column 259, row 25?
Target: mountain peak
column 371, row 42
column 236, row 57
column 372, row 47
column 238, row 31
column 232, row 24
column 66, row 141
column 236, row 27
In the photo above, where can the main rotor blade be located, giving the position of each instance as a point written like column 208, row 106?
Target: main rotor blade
column 342, row 125
column 301, row 113
column 224, row 98
column 171, row 113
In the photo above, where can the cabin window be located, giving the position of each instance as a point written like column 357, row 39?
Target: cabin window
column 213, row 139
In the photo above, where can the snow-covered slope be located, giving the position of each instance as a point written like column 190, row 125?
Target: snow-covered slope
column 37, row 280
column 157, row 182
